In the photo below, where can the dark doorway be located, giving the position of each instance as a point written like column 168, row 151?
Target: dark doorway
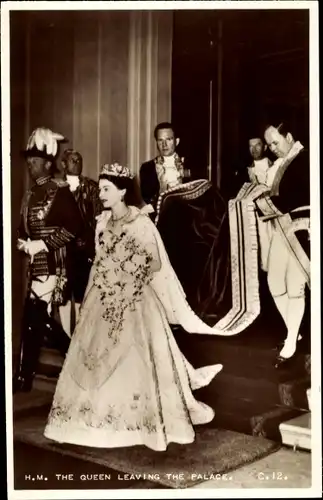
column 258, row 61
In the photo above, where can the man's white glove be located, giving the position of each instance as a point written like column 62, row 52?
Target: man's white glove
column 45, row 138
column 21, row 244
column 32, row 247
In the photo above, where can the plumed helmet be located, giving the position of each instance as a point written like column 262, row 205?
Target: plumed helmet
column 43, row 143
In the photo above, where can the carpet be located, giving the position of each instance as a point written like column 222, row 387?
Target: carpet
column 214, row 452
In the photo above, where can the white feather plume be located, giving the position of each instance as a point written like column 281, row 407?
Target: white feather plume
column 44, row 138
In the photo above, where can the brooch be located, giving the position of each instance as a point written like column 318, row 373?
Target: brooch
column 43, row 211
column 41, row 215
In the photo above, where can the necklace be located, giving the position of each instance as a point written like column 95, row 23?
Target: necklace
column 120, row 218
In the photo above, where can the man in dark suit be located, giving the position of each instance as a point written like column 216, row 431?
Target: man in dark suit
column 166, row 170
column 81, row 252
column 191, row 218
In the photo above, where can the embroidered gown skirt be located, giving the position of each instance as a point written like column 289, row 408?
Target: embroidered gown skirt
column 136, row 391
column 124, row 381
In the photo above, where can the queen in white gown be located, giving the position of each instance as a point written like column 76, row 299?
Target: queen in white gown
column 124, row 381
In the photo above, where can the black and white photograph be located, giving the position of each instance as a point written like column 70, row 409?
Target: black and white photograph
column 161, row 226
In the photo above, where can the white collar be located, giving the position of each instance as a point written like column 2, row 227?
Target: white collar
column 292, row 153
column 73, row 181
column 294, row 150
column 261, row 162
column 169, row 160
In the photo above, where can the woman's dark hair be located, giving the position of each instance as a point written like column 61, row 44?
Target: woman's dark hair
column 133, row 194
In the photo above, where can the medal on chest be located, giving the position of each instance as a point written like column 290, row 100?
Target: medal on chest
column 42, row 212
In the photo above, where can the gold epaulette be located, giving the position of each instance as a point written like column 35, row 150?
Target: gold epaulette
column 60, row 182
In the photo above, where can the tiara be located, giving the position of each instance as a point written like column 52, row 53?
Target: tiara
column 117, row 170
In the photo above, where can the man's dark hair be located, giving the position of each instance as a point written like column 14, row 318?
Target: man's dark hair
column 77, row 157
column 256, row 136
column 162, row 126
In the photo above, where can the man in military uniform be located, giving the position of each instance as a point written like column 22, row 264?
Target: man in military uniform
column 50, row 221
column 81, row 251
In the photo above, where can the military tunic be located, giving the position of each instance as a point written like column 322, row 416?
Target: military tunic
column 49, row 213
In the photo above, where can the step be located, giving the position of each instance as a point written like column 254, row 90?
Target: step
column 236, row 414
column 45, row 384
column 244, row 360
column 296, row 432
column 50, row 363
column 294, row 393
column 244, row 416
column 37, row 398
column 51, row 357
column 268, row 423
column 49, row 371
column 224, row 385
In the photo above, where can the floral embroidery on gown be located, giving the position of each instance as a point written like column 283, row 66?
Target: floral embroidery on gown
column 124, row 381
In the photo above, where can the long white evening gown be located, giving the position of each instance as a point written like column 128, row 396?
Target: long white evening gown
column 124, row 381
